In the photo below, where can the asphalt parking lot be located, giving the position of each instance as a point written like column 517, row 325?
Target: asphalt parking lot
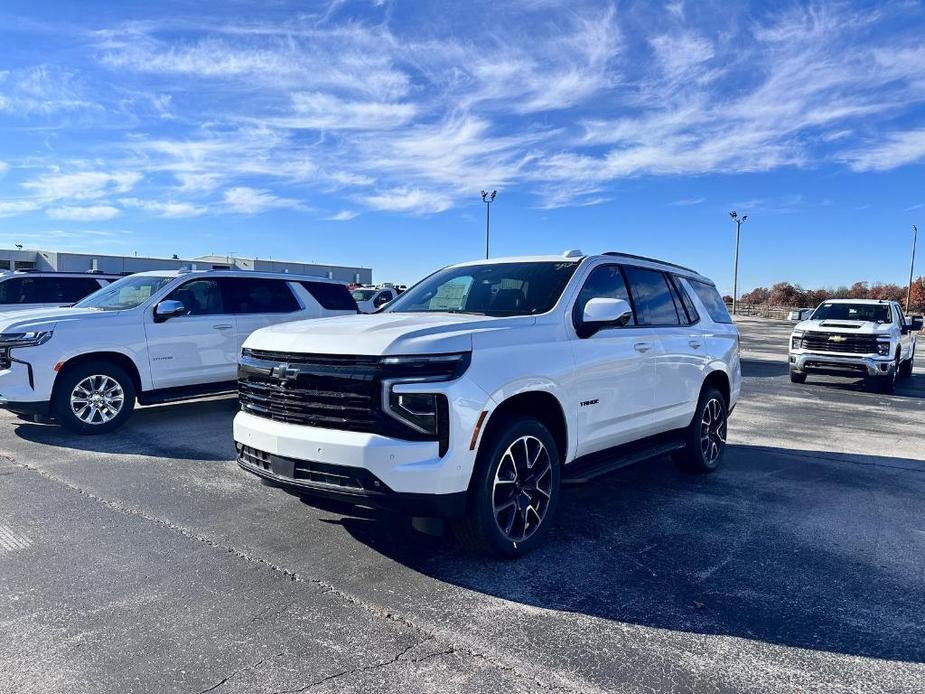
column 146, row 561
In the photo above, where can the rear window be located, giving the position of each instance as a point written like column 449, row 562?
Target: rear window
column 712, row 300
column 331, row 296
column 259, row 295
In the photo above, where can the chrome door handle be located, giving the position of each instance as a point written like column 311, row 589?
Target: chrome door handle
column 642, row 347
column 222, row 326
column 695, row 344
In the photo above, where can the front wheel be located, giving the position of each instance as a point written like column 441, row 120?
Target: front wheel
column 705, row 438
column 514, row 492
column 93, row 397
column 797, row 377
column 905, row 368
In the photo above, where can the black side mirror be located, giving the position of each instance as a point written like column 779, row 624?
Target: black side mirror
column 915, row 323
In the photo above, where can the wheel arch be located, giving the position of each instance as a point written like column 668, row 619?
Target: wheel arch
column 539, row 404
column 718, row 379
column 121, row 360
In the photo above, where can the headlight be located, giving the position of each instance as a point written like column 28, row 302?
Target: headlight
column 27, row 339
column 796, row 340
column 426, row 413
column 883, row 347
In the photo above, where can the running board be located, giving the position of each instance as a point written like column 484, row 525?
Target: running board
column 583, row 471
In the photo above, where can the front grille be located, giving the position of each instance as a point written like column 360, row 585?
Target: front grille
column 339, row 477
column 845, row 343
column 330, row 391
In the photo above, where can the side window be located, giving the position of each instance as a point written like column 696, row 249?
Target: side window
column 712, row 300
column 72, row 289
column 200, row 297
column 605, row 281
column 21, row 290
column 383, row 298
column 259, row 295
column 687, row 306
column 652, row 297
column 332, row 296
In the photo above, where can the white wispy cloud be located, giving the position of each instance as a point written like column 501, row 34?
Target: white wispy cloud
column 343, row 216
column 246, row 200
column 896, row 149
column 166, row 208
column 413, row 200
column 83, row 213
column 81, row 185
column 4, row 167
column 11, row 208
column 687, row 202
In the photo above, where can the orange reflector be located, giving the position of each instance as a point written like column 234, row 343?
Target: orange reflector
column 58, row 366
column 478, row 428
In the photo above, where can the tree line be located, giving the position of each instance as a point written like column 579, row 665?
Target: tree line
column 793, row 295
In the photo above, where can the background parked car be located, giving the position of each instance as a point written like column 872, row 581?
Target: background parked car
column 154, row 336
column 29, row 289
column 799, row 314
column 371, row 299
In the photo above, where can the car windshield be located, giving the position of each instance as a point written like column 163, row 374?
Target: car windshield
column 128, row 292
column 489, row 289
column 878, row 313
column 363, row 294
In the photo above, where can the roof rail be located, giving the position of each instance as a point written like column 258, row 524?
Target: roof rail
column 651, row 260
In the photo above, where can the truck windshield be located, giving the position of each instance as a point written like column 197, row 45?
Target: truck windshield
column 489, row 289
column 126, row 293
column 878, row 313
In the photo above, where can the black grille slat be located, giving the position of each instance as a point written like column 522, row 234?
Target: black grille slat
column 851, row 344
column 323, row 474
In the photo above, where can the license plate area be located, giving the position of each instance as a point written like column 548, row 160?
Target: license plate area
column 283, row 467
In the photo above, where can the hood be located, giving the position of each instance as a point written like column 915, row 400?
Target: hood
column 382, row 333
column 44, row 318
column 844, row 326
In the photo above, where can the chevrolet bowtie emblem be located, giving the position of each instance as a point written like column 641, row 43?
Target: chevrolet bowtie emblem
column 284, row 372
column 837, row 338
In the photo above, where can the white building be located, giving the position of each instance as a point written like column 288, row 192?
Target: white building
column 65, row 261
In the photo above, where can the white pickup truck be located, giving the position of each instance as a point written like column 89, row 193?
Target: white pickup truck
column 855, row 337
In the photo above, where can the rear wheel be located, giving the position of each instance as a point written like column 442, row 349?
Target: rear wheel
column 514, row 492
column 706, row 436
column 93, row 397
column 797, row 377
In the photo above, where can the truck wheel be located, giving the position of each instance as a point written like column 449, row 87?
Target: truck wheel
column 93, row 397
column 514, row 491
column 705, row 436
column 886, row 384
column 797, row 377
column 905, row 368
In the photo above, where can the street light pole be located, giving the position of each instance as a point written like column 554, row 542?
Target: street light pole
column 488, row 198
column 735, row 270
column 915, row 236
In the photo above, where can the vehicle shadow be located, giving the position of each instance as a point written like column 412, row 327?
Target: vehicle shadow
column 909, row 387
column 782, row 546
column 184, row 430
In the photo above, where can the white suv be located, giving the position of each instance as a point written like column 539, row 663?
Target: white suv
column 29, row 289
column 152, row 336
column 479, row 391
column 371, row 299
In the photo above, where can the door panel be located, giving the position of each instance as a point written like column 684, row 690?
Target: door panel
column 614, row 378
column 195, row 348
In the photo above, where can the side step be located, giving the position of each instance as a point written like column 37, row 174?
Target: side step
column 583, row 471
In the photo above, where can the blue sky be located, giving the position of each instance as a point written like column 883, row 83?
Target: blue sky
column 362, row 132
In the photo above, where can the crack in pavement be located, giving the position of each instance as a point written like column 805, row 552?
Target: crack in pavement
column 238, row 671
column 550, row 680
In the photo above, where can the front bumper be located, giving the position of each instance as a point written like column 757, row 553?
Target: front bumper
column 841, row 365
column 355, row 486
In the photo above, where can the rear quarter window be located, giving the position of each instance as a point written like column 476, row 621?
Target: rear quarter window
column 331, row 296
column 711, row 300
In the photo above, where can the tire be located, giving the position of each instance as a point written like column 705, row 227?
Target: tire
column 797, row 377
column 80, row 383
column 490, row 526
column 905, row 368
column 886, row 384
column 705, row 437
